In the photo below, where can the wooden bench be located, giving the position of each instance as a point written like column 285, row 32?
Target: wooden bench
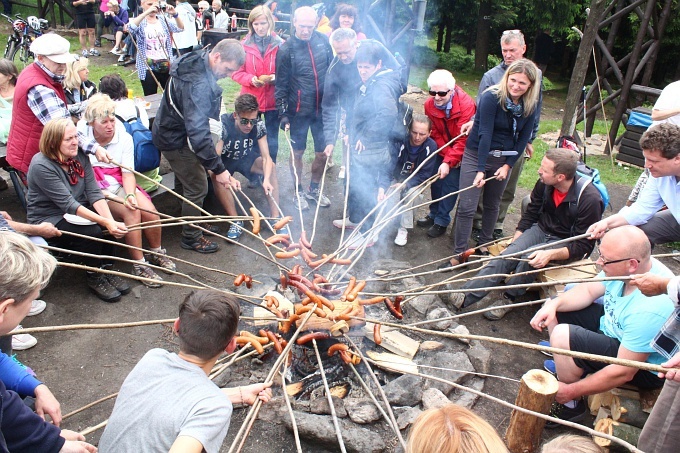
column 109, row 37
column 168, row 181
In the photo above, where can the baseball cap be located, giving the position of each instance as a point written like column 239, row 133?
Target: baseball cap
column 52, row 46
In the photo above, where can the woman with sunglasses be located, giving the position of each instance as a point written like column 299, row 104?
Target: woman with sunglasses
column 502, row 127
column 256, row 76
column 62, row 190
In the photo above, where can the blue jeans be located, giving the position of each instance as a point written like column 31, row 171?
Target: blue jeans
column 440, row 211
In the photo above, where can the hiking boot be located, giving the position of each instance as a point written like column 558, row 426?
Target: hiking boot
column 547, row 344
column 361, row 240
column 498, row 313
column 316, row 196
column 37, row 307
column 565, row 413
column 141, row 270
column 497, row 234
column 161, row 260
column 100, row 286
column 303, row 203
column 426, row 221
column 346, row 222
column 199, row 244
column 402, row 237
column 235, row 230
column 436, row 230
column 117, row 282
column 23, row 341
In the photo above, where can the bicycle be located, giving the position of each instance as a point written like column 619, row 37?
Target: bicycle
column 24, row 31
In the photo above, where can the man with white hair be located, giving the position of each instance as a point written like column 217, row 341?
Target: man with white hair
column 38, row 98
column 220, row 16
column 448, row 108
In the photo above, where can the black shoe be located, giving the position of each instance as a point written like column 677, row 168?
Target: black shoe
column 426, row 221
column 475, row 234
column 436, row 230
column 199, row 244
column 97, row 43
column 121, row 285
column 497, row 234
column 255, row 182
column 566, row 413
column 100, row 286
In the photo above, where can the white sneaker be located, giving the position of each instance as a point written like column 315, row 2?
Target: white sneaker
column 346, row 222
column 37, row 307
column 341, row 173
column 23, row 341
column 402, row 237
column 361, row 241
column 303, row 202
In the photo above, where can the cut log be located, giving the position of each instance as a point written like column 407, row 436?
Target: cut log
column 261, row 312
column 602, row 413
column 392, row 362
column 537, row 392
column 394, row 341
column 316, row 323
column 628, row 433
column 628, row 411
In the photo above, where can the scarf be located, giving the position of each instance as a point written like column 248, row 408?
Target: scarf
column 449, row 105
column 516, row 110
column 262, row 43
column 74, row 171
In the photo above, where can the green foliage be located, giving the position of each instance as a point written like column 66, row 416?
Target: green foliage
column 547, row 84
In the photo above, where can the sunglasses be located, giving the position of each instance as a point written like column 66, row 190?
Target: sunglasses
column 441, row 94
column 512, row 32
column 606, row 262
column 246, row 121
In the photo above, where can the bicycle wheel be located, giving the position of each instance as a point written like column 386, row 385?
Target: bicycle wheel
column 10, row 49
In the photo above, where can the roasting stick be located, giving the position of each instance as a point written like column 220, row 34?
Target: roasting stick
column 348, row 175
column 590, row 431
column 250, row 202
column 334, row 416
column 296, row 434
column 374, row 399
column 380, row 389
column 87, row 406
column 255, row 408
column 286, row 134
column 318, row 202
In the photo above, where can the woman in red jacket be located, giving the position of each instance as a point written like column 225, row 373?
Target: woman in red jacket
column 256, row 76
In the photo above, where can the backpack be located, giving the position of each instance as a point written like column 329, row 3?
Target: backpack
column 147, row 156
column 403, row 122
column 582, row 170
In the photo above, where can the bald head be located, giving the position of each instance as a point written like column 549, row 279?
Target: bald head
column 626, row 242
column 304, row 21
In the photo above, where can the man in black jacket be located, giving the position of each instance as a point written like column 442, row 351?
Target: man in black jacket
column 181, row 130
column 560, row 207
column 301, row 66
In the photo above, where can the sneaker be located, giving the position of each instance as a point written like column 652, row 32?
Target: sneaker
column 115, row 50
column 37, row 307
column 317, row 197
column 235, row 230
column 402, row 237
column 199, row 244
column 23, row 341
column 101, row 287
column 497, row 234
column 161, row 259
column 28, row 369
column 498, row 313
column 85, row 53
column 549, row 366
column 141, row 270
column 568, row 414
column 347, row 223
column 303, row 203
column 122, row 59
column 94, row 52
column 361, row 241
column 457, row 300
column 545, row 343
column 341, row 173
column 97, row 43
column 436, row 230
column 426, row 221
column 117, row 282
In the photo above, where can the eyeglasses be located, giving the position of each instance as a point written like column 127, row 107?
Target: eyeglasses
column 512, row 32
column 441, row 94
column 246, row 121
column 605, row 262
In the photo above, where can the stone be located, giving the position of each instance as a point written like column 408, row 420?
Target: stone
column 460, row 330
column 449, row 361
column 439, row 313
column 431, row 346
column 273, row 410
column 319, row 429
column 468, row 399
column 406, row 418
column 480, row 357
column 320, row 406
column 404, row 391
column 391, row 265
column 421, row 303
column 434, row 399
column 361, row 410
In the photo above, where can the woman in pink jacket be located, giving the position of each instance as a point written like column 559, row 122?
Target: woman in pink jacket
column 256, row 76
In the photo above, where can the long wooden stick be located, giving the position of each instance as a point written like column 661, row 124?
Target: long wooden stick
column 334, row 416
column 296, row 434
column 87, row 406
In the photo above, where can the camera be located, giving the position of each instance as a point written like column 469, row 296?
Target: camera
column 163, row 6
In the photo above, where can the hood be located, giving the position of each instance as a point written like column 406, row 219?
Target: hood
column 275, row 41
column 386, row 76
column 191, row 67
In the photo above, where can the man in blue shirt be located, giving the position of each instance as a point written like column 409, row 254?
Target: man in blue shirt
column 661, row 147
column 622, row 327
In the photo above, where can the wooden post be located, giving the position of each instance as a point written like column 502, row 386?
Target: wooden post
column 537, row 392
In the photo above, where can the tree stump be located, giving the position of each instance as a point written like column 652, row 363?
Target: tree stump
column 537, row 392
column 629, row 433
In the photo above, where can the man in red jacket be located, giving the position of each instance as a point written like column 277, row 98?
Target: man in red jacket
column 448, row 108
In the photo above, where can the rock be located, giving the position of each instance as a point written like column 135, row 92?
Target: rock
column 431, row 346
column 137, row 291
column 391, row 265
column 405, row 390
column 422, row 303
column 434, row 399
column 468, row 399
column 480, row 357
column 320, row 406
column 451, row 361
column 461, row 330
column 406, row 418
column 299, row 405
column 319, row 429
column 439, row 313
column 362, row 411
column 273, row 410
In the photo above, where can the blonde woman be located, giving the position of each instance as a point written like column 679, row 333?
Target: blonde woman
column 99, row 123
column 119, row 18
column 453, row 429
column 78, row 88
column 571, row 443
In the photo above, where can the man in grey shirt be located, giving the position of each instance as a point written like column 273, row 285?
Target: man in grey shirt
column 167, row 402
